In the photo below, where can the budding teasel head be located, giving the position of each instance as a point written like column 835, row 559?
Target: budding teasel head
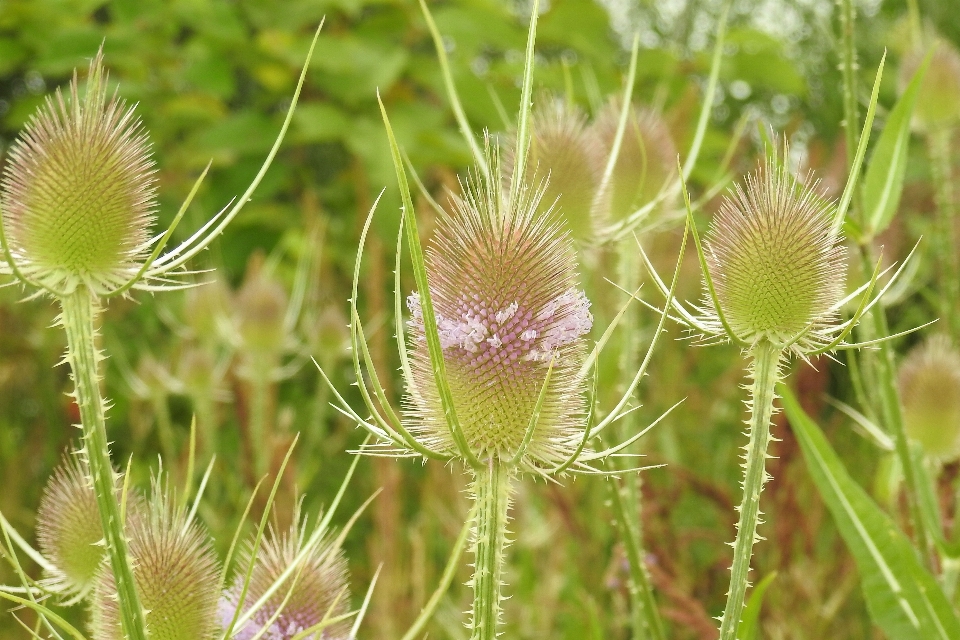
column 69, row 530
column 929, row 383
column 176, row 572
column 938, row 101
column 313, row 603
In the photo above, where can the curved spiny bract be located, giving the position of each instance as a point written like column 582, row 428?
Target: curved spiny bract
column 566, row 159
column 318, row 590
column 929, row 384
column 176, row 573
column 646, row 162
column 79, row 190
column 776, row 266
column 68, row 529
column 504, row 286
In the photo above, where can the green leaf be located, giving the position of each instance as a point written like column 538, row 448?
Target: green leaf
column 904, row 599
column 883, row 183
column 750, row 621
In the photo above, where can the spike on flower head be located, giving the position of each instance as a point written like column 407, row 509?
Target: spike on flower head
column 504, row 287
column 69, row 530
column 261, row 306
column 646, row 162
column 938, row 102
column 776, row 265
column 930, row 390
column 79, row 190
column 176, row 573
column 565, row 157
column 319, row 593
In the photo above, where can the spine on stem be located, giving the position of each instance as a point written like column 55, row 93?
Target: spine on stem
column 492, row 490
column 78, row 318
column 765, row 372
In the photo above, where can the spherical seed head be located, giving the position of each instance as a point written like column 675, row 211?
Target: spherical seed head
column 68, row 528
column 261, row 306
column 565, row 158
column 930, row 391
column 503, row 282
column 777, row 266
column 176, row 573
column 79, row 190
column 646, row 162
column 321, row 591
column 938, row 102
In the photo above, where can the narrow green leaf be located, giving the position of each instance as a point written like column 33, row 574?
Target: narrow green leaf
column 904, row 599
column 750, row 621
column 883, row 183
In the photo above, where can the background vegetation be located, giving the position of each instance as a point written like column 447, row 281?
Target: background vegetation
column 212, row 79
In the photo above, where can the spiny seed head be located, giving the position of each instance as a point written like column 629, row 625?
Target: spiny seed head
column 775, row 262
column 205, row 309
column 176, row 573
column 321, row 590
column 507, row 302
column 938, row 101
column 261, row 305
column 68, row 528
column 79, row 190
column 646, row 162
column 566, row 158
column 930, row 390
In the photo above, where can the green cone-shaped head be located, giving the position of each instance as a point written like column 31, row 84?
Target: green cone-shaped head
column 504, row 286
column 177, row 577
column 930, row 391
column 646, row 162
column 776, row 265
column 261, row 305
column 938, row 103
column 68, row 528
column 321, row 591
column 79, row 190
column 565, row 158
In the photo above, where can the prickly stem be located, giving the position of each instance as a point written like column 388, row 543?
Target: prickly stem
column 78, row 318
column 765, row 373
column 492, row 489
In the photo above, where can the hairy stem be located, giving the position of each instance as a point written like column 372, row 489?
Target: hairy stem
column 765, row 373
column 79, row 313
column 260, row 439
column 942, row 169
column 644, row 616
column 492, row 490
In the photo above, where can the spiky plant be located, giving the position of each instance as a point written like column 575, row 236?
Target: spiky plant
column 938, row 103
column 930, row 392
column 773, row 272
column 78, row 201
column 316, row 602
column 68, row 529
column 176, row 573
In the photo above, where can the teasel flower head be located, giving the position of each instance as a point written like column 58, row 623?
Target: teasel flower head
column 564, row 157
column 316, row 595
column 78, row 198
column 176, row 572
column 930, row 391
column 646, row 163
column 773, row 267
column 261, row 309
column 68, row 529
column 508, row 307
column 938, row 101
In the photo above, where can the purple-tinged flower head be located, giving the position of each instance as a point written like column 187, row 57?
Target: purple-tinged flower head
column 176, row 573
column 79, row 190
column 930, row 391
column 777, row 266
column 319, row 593
column 646, row 162
column 566, row 159
column 69, row 530
column 938, row 102
column 504, row 285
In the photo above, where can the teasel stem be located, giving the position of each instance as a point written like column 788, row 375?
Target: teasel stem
column 848, row 66
column 941, row 165
column 626, row 492
column 765, row 371
column 492, row 488
column 79, row 316
column 260, row 440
